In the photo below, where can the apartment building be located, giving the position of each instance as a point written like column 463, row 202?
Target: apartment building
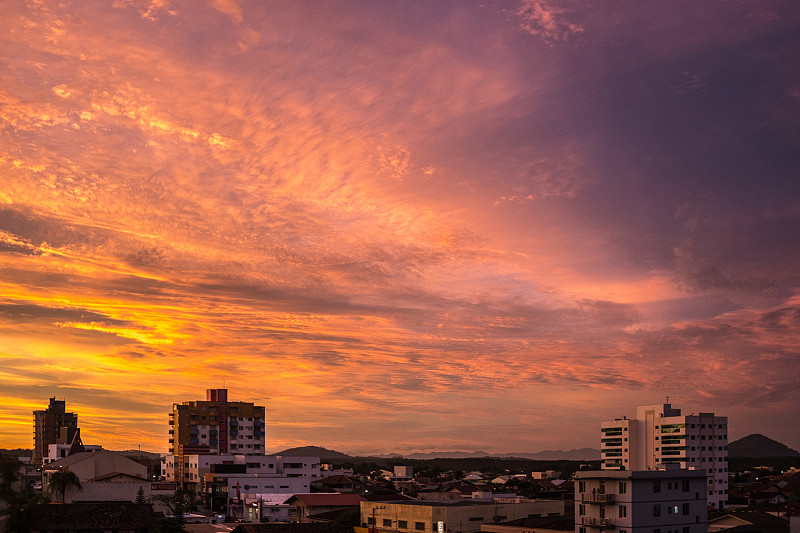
column 53, row 425
column 220, row 481
column 213, row 427
column 671, row 500
column 196, row 466
column 660, row 435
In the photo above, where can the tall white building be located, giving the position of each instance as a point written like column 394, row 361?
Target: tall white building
column 645, row 501
column 660, row 435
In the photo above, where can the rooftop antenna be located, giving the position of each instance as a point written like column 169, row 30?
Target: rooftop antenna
column 667, row 398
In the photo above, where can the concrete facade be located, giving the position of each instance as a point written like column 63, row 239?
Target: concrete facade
column 212, row 427
column 458, row 516
column 660, row 435
column 646, row 501
column 60, row 451
column 222, row 480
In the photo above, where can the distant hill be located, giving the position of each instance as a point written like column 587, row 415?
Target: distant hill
column 442, row 455
column 588, row 454
column 582, row 454
column 16, row 452
column 141, row 453
column 314, row 451
column 757, row 445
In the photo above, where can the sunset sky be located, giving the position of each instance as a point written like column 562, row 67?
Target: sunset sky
column 400, row 226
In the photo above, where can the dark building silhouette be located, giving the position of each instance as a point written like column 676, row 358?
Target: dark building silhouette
column 53, row 426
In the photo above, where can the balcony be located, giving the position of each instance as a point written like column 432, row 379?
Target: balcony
column 593, row 521
column 595, row 497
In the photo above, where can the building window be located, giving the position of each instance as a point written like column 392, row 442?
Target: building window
column 387, row 522
column 657, row 509
column 419, row 526
column 581, row 486
column 685, row 509
column 685, row 486
column 581, row 509
column 402, row 524
column 623, row 511
column 623, row 487
column 657, row 485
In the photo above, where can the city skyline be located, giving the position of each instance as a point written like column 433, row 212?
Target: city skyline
column 400, row 227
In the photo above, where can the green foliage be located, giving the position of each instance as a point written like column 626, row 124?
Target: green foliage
column 140, row 495
column 349, row 518
column 21, row 508
column 491, row 466
column 9, row 473
column 60, row 481
column 175, row 504
column 778, row 464
column 20, row 505
column 170, row 525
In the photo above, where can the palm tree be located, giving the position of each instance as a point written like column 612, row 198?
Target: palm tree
column 60, row 481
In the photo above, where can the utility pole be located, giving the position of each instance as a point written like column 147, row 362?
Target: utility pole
column 375, row 524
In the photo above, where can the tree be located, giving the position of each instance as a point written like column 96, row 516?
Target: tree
column 9, row 473
column 140, row 495
column 60, row 481
column 175, row 504
column 21, row 508
column 21, row 505
column 349, row 518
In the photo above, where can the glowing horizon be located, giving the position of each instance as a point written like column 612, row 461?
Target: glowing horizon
column 444, row 226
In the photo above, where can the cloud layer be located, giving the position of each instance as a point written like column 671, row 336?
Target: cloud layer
column 449, row 225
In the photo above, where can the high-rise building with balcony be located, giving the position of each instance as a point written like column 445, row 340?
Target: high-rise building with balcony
column 214, row 426
column 660, row 435
column 53, row 425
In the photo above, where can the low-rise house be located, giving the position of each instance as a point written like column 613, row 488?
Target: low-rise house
column 549, row 524
column 342, row 484
column 748, row 522
column 324, row 527
column 546, row 474
column 309, row 505
column 106, row 476
column 465, row 516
